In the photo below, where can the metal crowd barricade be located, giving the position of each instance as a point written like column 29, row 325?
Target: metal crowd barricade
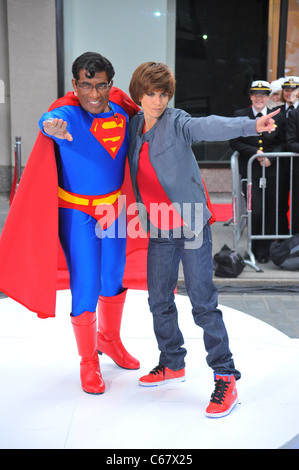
column 263, row 183
column 238, row 201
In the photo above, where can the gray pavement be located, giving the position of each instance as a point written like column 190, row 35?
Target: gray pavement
column 271, row 296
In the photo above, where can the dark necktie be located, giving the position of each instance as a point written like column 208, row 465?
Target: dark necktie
column 289, row 109
column 259, row 115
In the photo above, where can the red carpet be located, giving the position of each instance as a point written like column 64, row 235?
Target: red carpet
column 222, row 212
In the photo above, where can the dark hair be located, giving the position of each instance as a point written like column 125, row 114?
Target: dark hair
column 151, row 76
column 92, row 62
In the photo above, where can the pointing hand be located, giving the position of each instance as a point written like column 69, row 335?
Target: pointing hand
column 266, row 123
column 57, row 128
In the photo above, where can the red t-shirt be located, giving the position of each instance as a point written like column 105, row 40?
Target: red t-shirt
column 162, row 213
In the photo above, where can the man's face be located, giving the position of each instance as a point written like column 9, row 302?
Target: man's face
column 93, row 93
column 259, row 100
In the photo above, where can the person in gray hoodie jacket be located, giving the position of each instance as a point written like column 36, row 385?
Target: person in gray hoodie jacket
column 172, row 205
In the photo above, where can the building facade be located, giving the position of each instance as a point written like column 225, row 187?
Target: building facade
column 215, row 48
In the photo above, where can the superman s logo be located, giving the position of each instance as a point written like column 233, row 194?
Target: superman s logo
column 110, row 132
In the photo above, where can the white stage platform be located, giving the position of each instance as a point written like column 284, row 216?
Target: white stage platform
column 42, row 405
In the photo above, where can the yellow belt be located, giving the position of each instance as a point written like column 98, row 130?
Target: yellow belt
column 86, row 201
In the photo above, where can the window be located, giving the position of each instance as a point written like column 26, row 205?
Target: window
column 292, row 43
column 221, row 47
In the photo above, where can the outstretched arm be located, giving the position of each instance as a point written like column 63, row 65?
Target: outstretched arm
column 57, row 128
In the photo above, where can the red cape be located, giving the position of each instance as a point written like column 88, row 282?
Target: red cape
column 32, row 263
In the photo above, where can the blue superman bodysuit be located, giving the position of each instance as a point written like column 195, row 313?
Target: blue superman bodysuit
column 90, row 175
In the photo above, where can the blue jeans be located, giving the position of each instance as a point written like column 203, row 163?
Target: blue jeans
column 164, row 255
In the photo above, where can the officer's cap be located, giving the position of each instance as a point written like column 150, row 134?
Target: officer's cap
column 291, row 82
column 260, row 86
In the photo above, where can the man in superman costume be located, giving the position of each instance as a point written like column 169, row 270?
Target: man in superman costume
column 89, row 128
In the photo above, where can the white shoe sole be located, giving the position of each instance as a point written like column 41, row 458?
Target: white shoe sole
column 225, row 413
column 163, row 382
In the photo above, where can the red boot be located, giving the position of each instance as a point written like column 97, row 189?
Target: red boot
column 85, row 329
column 110, row 310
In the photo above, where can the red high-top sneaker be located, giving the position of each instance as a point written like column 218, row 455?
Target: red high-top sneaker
column 224, row 397
column 161, row 375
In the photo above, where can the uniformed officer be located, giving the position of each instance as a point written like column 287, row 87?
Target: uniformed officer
column 289, row 102
column 248, row 146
